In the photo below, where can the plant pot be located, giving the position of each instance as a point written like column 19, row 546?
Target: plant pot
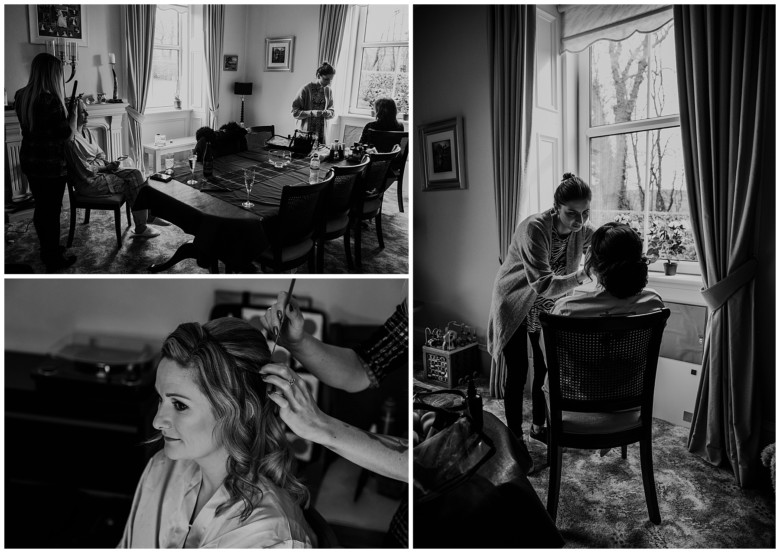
column 670, row 268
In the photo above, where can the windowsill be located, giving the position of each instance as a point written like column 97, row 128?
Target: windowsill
column 678, row 288
column 166, row 110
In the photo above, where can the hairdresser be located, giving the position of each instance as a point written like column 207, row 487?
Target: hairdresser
column 46, row 127
column 352, row 370
column 540, row 267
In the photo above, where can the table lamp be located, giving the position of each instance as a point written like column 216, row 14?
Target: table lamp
column 242, row 89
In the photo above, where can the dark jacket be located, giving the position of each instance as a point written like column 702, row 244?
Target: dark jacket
column 42, row 153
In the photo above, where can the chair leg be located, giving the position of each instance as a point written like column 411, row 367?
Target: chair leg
column 378, row 224
column 358, row 232
column 312, row 261
column 347, row 252
column 555, row 453
column 648, row 479
column 72, row 230
column 400, row 194
column 86, row 216
column 624, row 451
column 129, row 214
column 320, row 255
column 118, row 225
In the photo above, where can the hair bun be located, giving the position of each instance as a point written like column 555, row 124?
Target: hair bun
column 568, row 176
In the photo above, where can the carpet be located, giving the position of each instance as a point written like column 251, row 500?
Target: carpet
column 95, row 245
column 602, row 502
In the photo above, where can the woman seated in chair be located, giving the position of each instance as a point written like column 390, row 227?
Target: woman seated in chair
column 224, row 477
column 93, row 175
column 386, row 119
column 615, row 259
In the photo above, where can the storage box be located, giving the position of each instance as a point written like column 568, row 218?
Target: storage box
column 448, row 367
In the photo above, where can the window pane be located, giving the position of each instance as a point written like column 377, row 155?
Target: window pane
column 165, row 77
column 633, row 79
column 387, row 24
column 166, row 27
column 639, row 178
column 384, row 73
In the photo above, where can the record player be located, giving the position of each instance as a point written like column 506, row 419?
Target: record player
column 100, row 360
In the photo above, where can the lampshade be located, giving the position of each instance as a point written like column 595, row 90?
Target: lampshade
column 242, row 89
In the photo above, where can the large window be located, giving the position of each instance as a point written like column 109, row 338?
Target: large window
column 381, row 58
column 169, row 58
column 630, row 112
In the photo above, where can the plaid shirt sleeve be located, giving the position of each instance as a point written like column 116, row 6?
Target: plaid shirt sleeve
column 388, row 349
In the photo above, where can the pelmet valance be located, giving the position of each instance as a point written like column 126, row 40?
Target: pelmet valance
column 585, row 24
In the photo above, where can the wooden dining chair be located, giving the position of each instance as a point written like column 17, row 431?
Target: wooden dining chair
column 368, row 200
column 258, row 136
column 384, row 142
column 338, row 202
column 292, row 233
column 113, row 203
column 601, row 374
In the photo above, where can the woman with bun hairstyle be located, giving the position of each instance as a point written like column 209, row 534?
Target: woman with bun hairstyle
column 313, row 105
column 540, row 266
column 615, row 260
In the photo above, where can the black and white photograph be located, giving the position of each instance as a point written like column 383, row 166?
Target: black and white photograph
column 163, row 414
column 193, row 169
column 594, row 316
column 48, row 21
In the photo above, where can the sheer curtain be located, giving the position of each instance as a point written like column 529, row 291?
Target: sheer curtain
column 725, row 74
column 213, row 38
column 512, row 38
column 139, row 46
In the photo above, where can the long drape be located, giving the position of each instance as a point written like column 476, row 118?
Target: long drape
column 725, row 73
column 512, row 38
column 213, row 38
column 139, row 46
column 332, row 20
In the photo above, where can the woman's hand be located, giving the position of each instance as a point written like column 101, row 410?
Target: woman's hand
column 292, row 332
column 328, row 114
column 297, row 407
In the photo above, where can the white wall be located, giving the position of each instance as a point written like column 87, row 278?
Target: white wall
column 273, row 92
column 93, row 71
column 455, row 232
column 39, row 312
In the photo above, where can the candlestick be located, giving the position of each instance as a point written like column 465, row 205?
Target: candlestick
column 111, row 58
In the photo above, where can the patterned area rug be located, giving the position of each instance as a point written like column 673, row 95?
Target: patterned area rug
column 95, row 245
column 602, row 501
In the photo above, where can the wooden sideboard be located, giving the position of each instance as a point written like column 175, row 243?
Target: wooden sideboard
column 106, row 122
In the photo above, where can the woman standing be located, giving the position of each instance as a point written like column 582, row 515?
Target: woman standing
column 46, row 127
column 541, row 266
column 313, row 105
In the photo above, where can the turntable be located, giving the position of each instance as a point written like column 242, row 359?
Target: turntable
column 104, row 360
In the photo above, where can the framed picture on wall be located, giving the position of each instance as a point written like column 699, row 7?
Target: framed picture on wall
column 58, row 21
column 279, row 53
column 231, row 63
column 443, row 160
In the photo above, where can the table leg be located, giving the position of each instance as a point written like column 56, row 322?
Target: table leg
column 185, row 251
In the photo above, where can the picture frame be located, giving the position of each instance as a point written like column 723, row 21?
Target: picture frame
column 51, row 21
column 279, row 53
column 443, row 158
column 230, row 62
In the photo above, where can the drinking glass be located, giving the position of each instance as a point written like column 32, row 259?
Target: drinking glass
column 276, row 159
column 287, row 157
column 169, row 165
column 193, row 159
column 249, row 180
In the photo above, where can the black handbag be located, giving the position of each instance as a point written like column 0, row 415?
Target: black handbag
column 301, row 142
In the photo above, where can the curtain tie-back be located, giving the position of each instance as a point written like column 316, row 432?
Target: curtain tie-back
column 717, row 294
column 135, row 115
column 215, row 108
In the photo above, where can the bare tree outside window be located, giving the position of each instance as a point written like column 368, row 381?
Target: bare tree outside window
column 636, row 163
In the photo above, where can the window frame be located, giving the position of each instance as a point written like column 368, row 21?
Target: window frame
column 184, row 58
column 357, row 59
column 587, row 133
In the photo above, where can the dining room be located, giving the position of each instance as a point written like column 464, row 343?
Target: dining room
column 214, row 95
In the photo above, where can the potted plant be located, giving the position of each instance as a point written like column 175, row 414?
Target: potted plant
column 665, row 240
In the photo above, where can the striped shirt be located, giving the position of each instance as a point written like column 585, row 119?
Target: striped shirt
column 558, row 266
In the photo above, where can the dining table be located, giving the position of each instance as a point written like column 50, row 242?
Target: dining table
column 211, row 210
